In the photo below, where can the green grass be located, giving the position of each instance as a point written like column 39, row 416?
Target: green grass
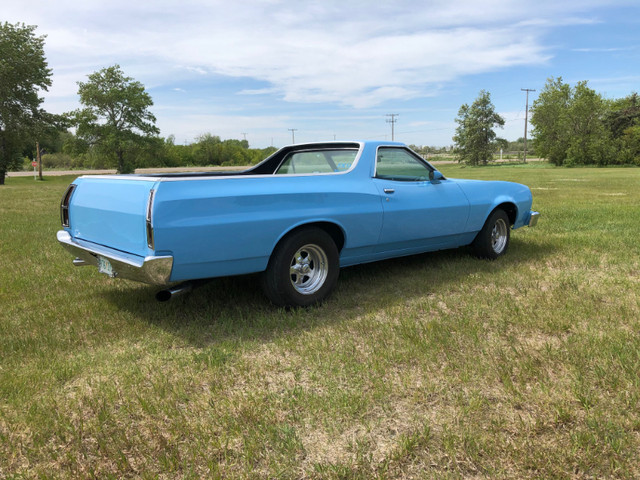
column 433, row 366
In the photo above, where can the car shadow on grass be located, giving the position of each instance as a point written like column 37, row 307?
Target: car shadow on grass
column 235, row 309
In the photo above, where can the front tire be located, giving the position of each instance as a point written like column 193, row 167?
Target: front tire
column 493, row 240
column 303, row 269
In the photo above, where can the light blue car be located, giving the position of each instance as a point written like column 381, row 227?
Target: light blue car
column 297, row 217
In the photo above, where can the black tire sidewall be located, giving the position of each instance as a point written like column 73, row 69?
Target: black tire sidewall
column 482, row 244
column 277, row 280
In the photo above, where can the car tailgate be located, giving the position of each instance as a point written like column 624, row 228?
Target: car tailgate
column 111, row 211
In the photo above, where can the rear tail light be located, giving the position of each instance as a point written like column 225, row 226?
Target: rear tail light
column 64, row 205
column 150, row 241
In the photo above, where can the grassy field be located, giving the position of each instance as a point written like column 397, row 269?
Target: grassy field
column 434, row 366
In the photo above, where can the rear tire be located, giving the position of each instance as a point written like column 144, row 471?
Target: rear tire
column 493, row 240
column 303, row 269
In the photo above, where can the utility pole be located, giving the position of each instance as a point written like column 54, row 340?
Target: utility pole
column 293, row 134
column 392, row 121
column 526, row 118
column 244, row 134
column 39, row 159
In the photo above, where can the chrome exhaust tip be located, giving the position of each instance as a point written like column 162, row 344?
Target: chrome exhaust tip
column 169, row 293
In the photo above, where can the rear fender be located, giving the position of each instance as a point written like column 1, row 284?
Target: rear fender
column 334, row 229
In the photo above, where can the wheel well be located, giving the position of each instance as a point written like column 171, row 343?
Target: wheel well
column 510, row 209
column 334, row 231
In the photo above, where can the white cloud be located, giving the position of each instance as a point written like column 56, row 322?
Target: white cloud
column 603, row 49
column 348, row 53
column 353, row 53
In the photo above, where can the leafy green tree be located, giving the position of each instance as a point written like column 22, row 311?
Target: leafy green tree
column 549, row 119
column 630, row 148
column 623, row 113
column 177, row 155
column 116, row 118
column 51, row 133
column 73, row 145
column 475, row 138
column 569, row 125
column 23, row 73
column 590, row 140
column 623, row 121
column 207, row 150
column 171, row 152
column 502, row 144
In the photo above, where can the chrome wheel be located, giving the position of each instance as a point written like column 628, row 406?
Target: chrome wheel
column 303, row 268
column 309, row 269
column 499, row 236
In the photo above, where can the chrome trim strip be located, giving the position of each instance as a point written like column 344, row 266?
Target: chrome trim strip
column 533, row 219
column 131, row 176
column 155, row 270
column 218, row 177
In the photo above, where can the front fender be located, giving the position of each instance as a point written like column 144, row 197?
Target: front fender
column 485, row 196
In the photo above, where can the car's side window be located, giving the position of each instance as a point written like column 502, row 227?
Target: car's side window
column 319, row 161
column 399, row 164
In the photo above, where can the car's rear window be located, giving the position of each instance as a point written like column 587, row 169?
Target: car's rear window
column 317, row 161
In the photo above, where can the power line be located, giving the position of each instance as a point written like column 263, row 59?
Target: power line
column 392, row 121
column 526, row 117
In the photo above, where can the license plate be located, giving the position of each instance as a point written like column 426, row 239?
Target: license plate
column 104, row 266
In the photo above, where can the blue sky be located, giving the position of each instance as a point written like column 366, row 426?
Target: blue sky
column 335, row 69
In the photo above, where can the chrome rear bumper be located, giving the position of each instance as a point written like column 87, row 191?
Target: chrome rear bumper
column 533, row 219
column 152, row 269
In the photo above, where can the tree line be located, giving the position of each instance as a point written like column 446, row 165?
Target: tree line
column 578, row 126
column 69, row 151
column 114, row 128
column 571, row 126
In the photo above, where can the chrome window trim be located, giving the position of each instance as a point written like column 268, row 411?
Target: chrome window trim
column 311, row 150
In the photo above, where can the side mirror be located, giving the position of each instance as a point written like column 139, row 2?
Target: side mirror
column 435, row 176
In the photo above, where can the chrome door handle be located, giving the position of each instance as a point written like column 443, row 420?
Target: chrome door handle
column 389, row 190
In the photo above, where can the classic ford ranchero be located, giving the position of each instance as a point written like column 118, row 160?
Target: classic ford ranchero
column 297, row 217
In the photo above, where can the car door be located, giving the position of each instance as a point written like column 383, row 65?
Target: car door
column 420, row 212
